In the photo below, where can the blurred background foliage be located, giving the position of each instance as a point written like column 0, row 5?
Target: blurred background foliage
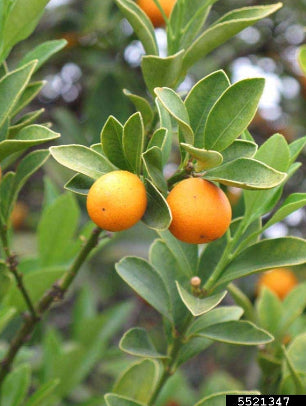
column 84, row 86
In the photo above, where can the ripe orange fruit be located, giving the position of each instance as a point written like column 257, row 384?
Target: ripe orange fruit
column 281, row 281
column 117, row 201
column 152, row 11
column 200, row 210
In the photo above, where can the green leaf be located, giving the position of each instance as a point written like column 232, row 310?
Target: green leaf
column 218, row 399
column 158, row 214
column 82, row 159
column 210, row 257
column 79, row 184
column 175, row 106
column 142, row 105
column 145, row 280
column 170, row 269
column 220, row 381
column 161, row 72
column 246, row 173
column 56, row 231
column 152, row 160
column 6, row 315
column 302, row 58
column 141, row 24
column 293, row 306
column 20, row 22
column 205, row 159
column 43, row 52
column 116, row 400
column 6, row 195
column 133, row 141
column 146, row 374
column 239, row 149
column 196, row 305
column 296, row 147
column 26, row 120
column 43, row 393
column 28, row 137
column 266, row 254
column 237, row 332
column 6, row 281
column 111, row 140
column 11, row 87
column 136, row 341
column 15, row 386
column 165, row 122
column 269, row 310
column 36, row 283
column 201, row 99
column 232, row 113
column 193, row 347
column 186, row 254
column 225, row 28
column 28, row 94
column 275, row 153
column 215, row 316
column 293, row 202
column 161, row 139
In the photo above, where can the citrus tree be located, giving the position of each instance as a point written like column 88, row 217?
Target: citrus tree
column 123, row 180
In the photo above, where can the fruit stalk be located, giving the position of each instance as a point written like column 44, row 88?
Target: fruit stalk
column 56, row 293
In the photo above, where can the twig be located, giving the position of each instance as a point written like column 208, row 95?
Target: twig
column 56, row 293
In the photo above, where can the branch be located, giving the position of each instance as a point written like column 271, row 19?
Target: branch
column 56, row 293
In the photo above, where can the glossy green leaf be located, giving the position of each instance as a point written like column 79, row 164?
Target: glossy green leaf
column 302, row 58
column 16, row 386
column 43, row 52
column 142, row 105
column 152, row 160
column 170, row 269
column 43, row 393
column 275, row 153
column 218, row 315
column 266, row 254
column 133, row 141
column 28, row 94
column 224, row 29
column 269, row 310
column 186, row 254
column 160, row 72
column 146, row 374
column 201, row 99
column 116, row 400
column 165, row 122
column 294, row 305
column 192, row 348
column 158, row 215
column 83, row 160
column 26, row 120
column 11, row 87
column 175, row 106
column 141, row 24
column 111, row 140
column 36, row 283
column 6, row 195
column 137, row 341
column 20, row 22
column 232, row 113
column 296, row 147
column 246, row 173
column 205, row 159
column 239, row 149
column 210, row 257
column 56, row 231
column 79, row 184
column 196, row 305
column 161, row 139
column 145, row 280
column 237, row 332
column 218, row 399
column 28, row 137
column 293, row 202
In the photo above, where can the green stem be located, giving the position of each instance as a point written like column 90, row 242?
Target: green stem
column 242, row 300
column 170, row 366
column 56, row 293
